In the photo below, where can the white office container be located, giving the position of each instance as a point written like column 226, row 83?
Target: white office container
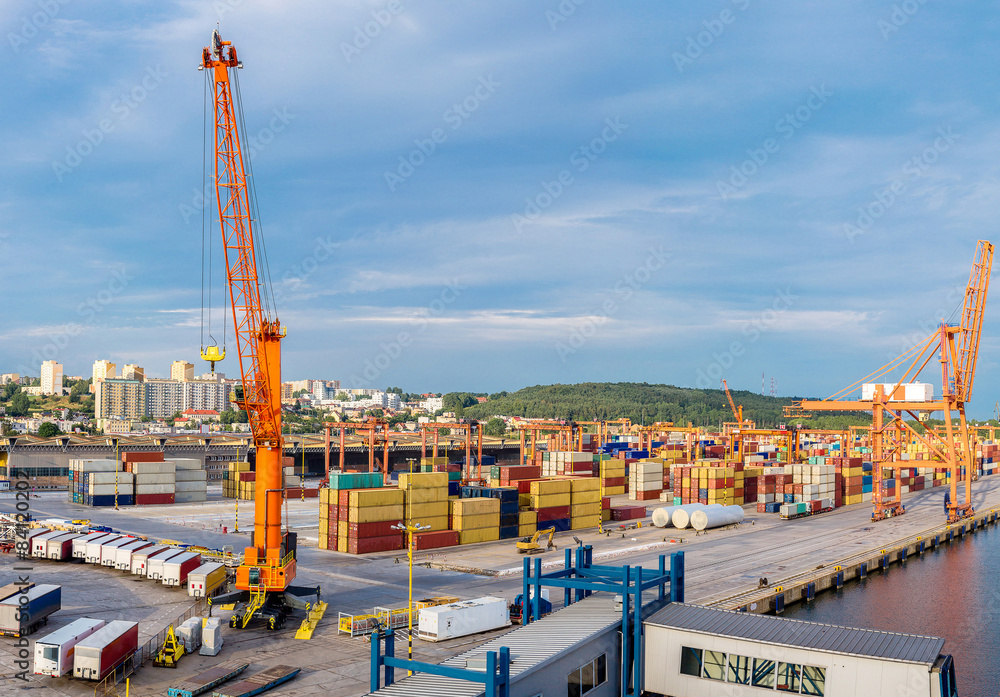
column 54, row 652
column 463, row 618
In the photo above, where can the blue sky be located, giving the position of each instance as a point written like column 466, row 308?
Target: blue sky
column 582, row 215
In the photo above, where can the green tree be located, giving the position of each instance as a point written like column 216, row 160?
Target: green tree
column 343, row 397
column 9, row 390
column 48, row 430
column 7, row 428
column 496, row 427
column 19, row 405
column 228, row 417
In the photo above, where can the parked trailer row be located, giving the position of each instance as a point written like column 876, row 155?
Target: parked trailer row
column 205, row 579
column 98, row 654
column 54, row 652
column 24, row 612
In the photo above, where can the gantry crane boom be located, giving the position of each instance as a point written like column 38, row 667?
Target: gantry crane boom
column 957, row 349
column 269, row 563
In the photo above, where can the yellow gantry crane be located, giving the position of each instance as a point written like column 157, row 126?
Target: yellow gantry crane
column 957, row 350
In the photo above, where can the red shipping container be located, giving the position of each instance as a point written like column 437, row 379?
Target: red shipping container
column 524, row 485
column 762, row 508
column 647, row 495
column 614, row 481
column 628, row 512
column 381, row 528
column 553, row 513
column 153, row 499
column 344, row 496
column 247, row 476
column 366, row 545
column 433, row 540
column 814, row 506
column 142, row 457
column 605, row 503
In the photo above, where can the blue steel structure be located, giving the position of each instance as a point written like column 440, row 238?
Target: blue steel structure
column 579, row 578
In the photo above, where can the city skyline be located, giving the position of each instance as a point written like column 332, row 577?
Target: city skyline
column 708, row 203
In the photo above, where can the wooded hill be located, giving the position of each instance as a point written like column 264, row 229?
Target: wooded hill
column 643, row 403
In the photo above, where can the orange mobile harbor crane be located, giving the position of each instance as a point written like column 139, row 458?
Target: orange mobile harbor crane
column 269, row 562
column 956, row 348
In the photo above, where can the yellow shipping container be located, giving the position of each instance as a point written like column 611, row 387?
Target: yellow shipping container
column 369, row 498
column 612, row 490
column 468, row 537
column 324, row 525
column 550, row 500
column 590, row 521
column 551, row 486
column 586, row 497
column 526, row 517
column 584, row 484
column 437, row 523
column 324, row 540
column 342, row 544
column 434, row 461
column 461, row 507
column 479, row 520
column 435, row 509
column 324, row 495
column 585, row 509
column 423, row 480
column 373, row 514
column 526, row 530
column 342, row 529
column 605, row 515
column 428, row 495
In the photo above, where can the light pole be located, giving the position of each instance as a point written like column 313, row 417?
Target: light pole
column 409, row 529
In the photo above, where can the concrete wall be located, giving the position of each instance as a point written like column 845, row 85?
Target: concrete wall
column 846, row 676
column 550, row 679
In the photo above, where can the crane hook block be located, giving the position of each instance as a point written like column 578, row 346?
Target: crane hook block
column 213, row 355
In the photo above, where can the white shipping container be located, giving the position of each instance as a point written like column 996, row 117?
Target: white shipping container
column 190, row 496
column 154, row 489
column 54, row 652
column 191, row 476
column 159, row 478
column 153, row 468
column 186, row 463
column 97, row 466
column 191, row 486
column 109, row 478
column 121, row 489
column 463, row 618
column 908, row 391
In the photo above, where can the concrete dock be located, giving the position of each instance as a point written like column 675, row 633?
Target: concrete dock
column 723, row 568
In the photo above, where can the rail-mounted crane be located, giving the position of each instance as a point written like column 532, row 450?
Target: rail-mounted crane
column 263, row 579
column 957, row 349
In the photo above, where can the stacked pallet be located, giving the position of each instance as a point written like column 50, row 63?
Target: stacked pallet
column 585, row 503
column 367, row 518
column 476, row 519
column 191, row 481
column 425, row 499
column 645, row 480
column 613, row 478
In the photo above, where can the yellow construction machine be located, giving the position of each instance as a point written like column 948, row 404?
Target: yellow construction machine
column 529, row 545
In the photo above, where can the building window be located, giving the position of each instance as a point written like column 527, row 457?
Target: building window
column 813, row 680
column 715, row 665
column 763, row 673
column 590, row 675
column 690, row 661
column 739, row 669
column 788, row 677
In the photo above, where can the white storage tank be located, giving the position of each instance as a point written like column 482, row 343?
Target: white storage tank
column 462, row 618
column 716, row 517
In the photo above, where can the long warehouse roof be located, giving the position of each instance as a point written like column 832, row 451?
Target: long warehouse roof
column 868, row 643
column 530, row 646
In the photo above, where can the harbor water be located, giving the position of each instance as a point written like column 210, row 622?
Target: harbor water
column 952, row 592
